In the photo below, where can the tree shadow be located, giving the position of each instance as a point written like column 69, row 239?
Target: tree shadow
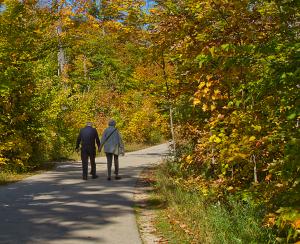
column 147, row 186
column 62, row 207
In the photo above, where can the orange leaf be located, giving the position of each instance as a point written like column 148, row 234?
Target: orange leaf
column 297, row 224
column 268, row 177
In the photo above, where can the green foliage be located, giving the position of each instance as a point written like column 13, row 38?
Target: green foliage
column 23, row 29
column 237, row 62
column 44, row 101
column 228, row 69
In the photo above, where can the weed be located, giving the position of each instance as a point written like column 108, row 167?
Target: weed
column 191, row 218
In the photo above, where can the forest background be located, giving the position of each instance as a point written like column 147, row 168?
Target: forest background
column 226, row 72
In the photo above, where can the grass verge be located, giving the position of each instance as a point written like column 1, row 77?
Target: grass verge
column 189, row 217
column 8, row 177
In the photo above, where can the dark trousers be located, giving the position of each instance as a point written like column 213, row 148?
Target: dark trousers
column 109, row 157
column 85, row 155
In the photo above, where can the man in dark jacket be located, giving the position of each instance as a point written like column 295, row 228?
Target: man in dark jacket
column 88, row 136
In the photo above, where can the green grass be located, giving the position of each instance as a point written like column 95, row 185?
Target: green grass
column 8, row 177
column 131, row 147
column 190, row 218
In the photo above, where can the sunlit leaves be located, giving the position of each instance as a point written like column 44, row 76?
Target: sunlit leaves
column 238, row 64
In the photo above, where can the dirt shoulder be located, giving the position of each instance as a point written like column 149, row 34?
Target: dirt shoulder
column 145, row 211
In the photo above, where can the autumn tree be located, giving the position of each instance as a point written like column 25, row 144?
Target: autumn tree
column 238, row 103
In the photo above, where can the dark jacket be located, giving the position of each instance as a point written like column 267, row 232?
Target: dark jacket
column 88, row 136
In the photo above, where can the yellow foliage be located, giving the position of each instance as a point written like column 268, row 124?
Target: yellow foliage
column 3, row 161
column 217, row 91
column 196, row 101
column 201, row 85
column 208, row 77
column 256, row 127
column 205, row 90
column 252, row 138
column 189, row 159
column 215, row 139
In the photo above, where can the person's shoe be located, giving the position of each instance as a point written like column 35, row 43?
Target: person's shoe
column 118, row 177
column 84, row 177
column 108, row 178
column 91, row 173
column 95, row 176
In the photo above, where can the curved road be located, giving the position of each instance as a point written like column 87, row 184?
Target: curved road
column 59, row 207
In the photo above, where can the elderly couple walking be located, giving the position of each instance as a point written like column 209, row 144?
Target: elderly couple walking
column 111, row 141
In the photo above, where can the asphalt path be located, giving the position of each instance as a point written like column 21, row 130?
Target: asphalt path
column 59, row 207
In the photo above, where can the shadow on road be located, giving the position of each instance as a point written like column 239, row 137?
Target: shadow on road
column 62, row 206
column 59, row 207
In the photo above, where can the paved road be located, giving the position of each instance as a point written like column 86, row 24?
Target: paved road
column 59, row 207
